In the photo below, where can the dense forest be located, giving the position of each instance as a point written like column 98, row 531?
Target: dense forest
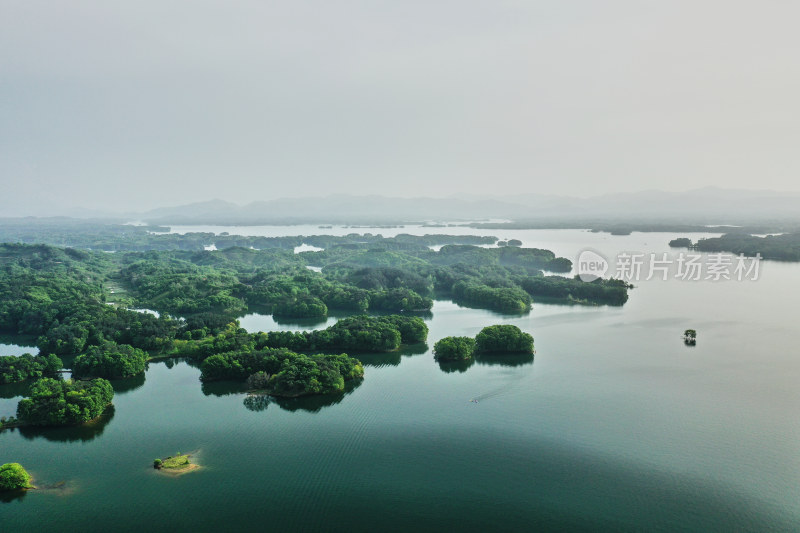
column 54, row 402
column 81, row 306
column 783, row 247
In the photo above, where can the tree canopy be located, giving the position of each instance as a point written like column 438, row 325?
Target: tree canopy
column 53, row 402
column 505, row 338
column 14, row 477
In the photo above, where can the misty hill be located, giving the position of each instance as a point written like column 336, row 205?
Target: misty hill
column 701, row 206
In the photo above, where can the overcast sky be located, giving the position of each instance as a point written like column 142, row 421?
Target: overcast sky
column 133, row 105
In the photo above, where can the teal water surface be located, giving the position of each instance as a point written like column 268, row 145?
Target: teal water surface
column 614, row 424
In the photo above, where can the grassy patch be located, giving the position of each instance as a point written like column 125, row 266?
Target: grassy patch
column 177, row 464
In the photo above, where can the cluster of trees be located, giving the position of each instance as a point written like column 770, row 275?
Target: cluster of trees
column 53, row 402
column 14, row 369
column 400, row 299
column 360, row 333
column 302, row 307
column 497, row 339
column 454, row 348
column 280, row 372
column 505, row 299
column 110, row 360
column 682, row 242
column 784, row 247
column 59, row 295
column 14, row 477
column 504, row 338
column 599, row 291
column 92, row 235
column 182, row 287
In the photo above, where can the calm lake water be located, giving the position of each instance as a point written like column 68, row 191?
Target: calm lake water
column 614, row 425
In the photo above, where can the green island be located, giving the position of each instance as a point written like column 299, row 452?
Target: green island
column 497, row 339
column 175, row 464
column 15, row 369
column 780, row 247
column 454, row 348
column 681, row 242
column 79, row 303
column 504, row 338
column 279, row 372
column 53, row 402
column 14, row 478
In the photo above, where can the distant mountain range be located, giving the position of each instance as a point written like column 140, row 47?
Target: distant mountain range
column 701, row 206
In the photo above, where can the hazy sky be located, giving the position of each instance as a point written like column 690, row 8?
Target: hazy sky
column 147, row 103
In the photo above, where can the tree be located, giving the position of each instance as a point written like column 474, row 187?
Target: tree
column 64, row 403
column 111, row 361
column 454, row 348
column 505, row 339
column 14, row 477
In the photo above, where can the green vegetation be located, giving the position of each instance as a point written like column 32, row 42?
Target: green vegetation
column 8, row 422
column 61, row 296
column 503, row 339
column 14, row 477
column 785, row 247
column 279, row 372
column 61, row 403
column 599, row 291
column 176, row 461
column 690, row 337
column 360, row 333
column 303, row 307
column 110, row 360
column 454, row 348
column 175, row 464
column 682, row 242
column 507, row 299
column 26, row 366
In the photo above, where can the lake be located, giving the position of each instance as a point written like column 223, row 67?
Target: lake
column 615, row 424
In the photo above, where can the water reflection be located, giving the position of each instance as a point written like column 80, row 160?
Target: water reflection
column 301, row 323
column 124, row 386
column 83, row 433
column 222, row 388
column 14, row 390
column 256, row 402
column 311, row 404
column 17, row 345
column 499, row 359
column 378, row 359
column 510, row 359
column 449, row 367
column 12, row 496
column 500, row 314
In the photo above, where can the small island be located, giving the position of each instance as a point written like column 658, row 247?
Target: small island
column 503, row 338
column 681, row 242
column 454, row 349
column 53, row 402
column 175, row 464
column 497, row 339
column 690, row 337
column 14, row 478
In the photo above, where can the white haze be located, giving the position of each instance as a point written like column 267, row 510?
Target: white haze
column 135, row 105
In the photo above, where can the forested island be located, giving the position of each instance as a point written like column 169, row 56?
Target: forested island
column 15, row 369
column 783, row 247
column 78, row 304
column 497, row 339
column 14, row 478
